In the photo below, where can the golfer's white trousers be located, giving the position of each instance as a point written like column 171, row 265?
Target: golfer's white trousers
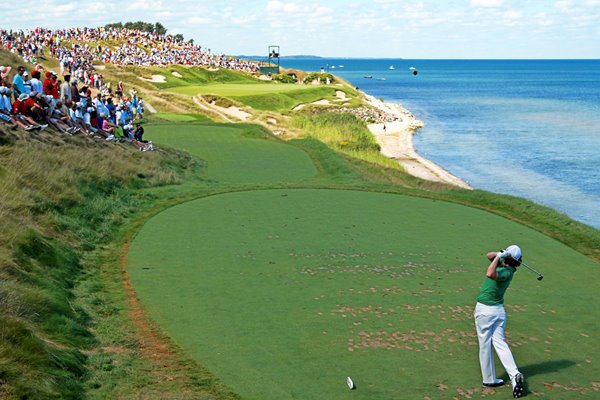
column 491, row 322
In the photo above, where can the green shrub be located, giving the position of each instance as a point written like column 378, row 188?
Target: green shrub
column 343, row 131
column 286, row 78
column 321, row 77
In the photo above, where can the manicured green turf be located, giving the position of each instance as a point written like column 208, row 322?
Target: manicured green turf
column 239, row 154
column 266, row 96
column 239, row 89
column 284, row 293
column 182, row 117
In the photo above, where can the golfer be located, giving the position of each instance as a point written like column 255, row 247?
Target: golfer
column 490, row 319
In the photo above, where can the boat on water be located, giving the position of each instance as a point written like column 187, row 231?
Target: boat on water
column 380, row 79
column 340, row 66
column 368, row 76
column 392, row 67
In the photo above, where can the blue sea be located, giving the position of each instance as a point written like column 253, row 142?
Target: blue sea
column 529, row 128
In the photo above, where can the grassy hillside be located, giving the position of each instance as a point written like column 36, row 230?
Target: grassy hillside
column 61, row 199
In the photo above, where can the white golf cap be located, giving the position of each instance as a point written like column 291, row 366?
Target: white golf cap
column 514, row 251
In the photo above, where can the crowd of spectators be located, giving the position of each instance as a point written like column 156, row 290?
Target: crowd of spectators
column 33, row 99
column 81, row 47
column 31, row 104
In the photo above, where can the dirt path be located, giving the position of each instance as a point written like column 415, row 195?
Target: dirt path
column 173, row 375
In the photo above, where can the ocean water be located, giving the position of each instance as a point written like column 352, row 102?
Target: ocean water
column 529, row 128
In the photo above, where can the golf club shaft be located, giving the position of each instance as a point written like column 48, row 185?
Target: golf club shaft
column 531, row 269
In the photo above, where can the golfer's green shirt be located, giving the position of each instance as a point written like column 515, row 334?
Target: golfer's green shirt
column 492, row 291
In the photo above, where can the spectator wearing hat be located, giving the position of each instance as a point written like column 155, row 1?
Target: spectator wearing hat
column 139, row 133
column 23, row 106
column 27, row 83
column 50, row 86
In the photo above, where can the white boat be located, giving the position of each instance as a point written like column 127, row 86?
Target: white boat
column 392, row 67
column 341, row 66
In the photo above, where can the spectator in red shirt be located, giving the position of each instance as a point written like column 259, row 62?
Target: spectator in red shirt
column 48, row 84
column 22, row 108
column 51, row 86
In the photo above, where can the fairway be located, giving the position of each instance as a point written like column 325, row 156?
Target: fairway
column 277, row 97
column 236, row 154
column 284, row 293
column 240, row 89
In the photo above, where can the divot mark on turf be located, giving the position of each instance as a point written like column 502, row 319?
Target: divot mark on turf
column 411, row 340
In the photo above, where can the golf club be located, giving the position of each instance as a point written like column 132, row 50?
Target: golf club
column 540, row 276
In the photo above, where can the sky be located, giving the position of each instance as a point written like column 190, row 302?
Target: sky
column 432, row 29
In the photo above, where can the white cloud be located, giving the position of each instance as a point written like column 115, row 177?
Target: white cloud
column 278, row 6
column 243, row 20
column 197, row 20
column 543, row 19
column 487, row 3
column 408, row 28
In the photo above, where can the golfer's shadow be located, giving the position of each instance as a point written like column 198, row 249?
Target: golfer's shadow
column 545, row 367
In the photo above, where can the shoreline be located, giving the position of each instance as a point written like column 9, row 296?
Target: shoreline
column 396, row 141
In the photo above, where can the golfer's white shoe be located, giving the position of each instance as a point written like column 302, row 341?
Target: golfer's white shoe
column 518, row 384
column 496, row 383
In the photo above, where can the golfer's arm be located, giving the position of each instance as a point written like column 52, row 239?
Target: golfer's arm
column 491, row 271
column 491, row 255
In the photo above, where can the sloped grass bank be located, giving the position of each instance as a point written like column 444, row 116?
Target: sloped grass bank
column 61, row 200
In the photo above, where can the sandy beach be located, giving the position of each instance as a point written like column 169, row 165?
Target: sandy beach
column 396, row 141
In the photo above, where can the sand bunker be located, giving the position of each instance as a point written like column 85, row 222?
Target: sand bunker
column 155, row 79
column 322, row 102
column 177, row 74
column 235, row 112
